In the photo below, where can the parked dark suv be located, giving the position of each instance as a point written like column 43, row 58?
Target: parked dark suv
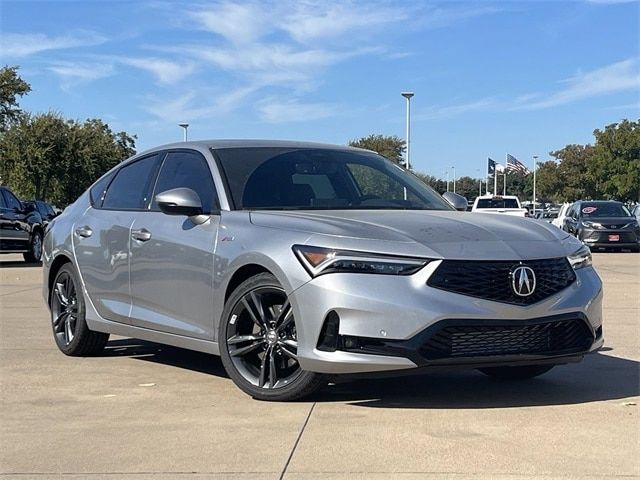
column 45, row 210
column 21, row 228
column 603, row 224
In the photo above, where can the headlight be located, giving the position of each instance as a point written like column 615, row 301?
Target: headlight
column 589, row 224
column 319, row 261
column 580, row 259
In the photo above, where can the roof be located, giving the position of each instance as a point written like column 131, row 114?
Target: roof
column 246, row 143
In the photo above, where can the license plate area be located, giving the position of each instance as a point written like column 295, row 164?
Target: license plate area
column 614, row 238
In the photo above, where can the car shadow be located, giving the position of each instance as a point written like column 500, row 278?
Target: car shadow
column 599, row 377
column 166, row 355
column 19, row 264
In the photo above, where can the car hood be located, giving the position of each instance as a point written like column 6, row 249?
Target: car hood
column 434, row 234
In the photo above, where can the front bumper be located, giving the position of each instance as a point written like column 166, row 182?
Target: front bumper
column 394, row 312
column 603, row 238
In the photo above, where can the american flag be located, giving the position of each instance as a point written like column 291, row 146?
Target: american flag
column 516, row 165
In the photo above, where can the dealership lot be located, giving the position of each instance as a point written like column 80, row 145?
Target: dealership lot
column 149, row 411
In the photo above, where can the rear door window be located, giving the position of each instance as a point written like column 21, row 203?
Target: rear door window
column 186, row 169
column 131, row 188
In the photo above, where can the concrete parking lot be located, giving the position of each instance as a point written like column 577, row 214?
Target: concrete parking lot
column 148, row 411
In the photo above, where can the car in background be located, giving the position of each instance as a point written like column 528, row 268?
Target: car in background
column 547, row 215
column 603, row 224
column 21, row 229
column 559, row 220
column 46, row 211
column 636, row 212
column 501, row 204
column 298, row 262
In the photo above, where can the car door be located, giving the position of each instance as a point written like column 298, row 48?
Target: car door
column 14, row 223
column 102, row 235
column 172, row 258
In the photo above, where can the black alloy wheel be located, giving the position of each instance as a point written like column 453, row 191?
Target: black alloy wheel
column 259, row 342
column 71, row 333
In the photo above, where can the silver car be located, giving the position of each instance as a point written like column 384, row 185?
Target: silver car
column 296, row 261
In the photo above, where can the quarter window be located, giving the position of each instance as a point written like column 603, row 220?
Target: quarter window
column 3, row 204
column 131, row 188
column 99, row 189
column 187, row 170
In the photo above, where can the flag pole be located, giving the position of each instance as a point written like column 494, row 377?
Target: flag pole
column 504, row 175
column 535, row 167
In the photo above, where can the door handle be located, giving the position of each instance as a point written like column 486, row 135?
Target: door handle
column 141, row 235
column 84, row 232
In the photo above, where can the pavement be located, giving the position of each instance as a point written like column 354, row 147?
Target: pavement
column 147, row 411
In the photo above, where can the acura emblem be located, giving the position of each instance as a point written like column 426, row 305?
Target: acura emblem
column 523, row 281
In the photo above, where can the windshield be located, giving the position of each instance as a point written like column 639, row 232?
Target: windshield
column 497, row 203
column 604, row 210
column 275, row 178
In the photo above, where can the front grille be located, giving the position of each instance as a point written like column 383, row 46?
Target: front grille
column 459, row 341
column 492, row 280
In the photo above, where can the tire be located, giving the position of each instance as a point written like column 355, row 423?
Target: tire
column 35, row 248
column 516, row 373
column 258, row 343
column 70, row 330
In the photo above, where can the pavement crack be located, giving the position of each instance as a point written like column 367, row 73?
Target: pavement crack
column 295, row 445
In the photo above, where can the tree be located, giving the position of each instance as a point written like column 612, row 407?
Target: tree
column 616, row 160
column 47, row 157
column 11, row 87
column 390, row 147
column 576, row 172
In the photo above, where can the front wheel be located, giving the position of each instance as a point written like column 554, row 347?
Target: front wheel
column 259, row 342
column 516, row 373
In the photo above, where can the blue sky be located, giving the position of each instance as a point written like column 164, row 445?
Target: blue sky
column 489, row 77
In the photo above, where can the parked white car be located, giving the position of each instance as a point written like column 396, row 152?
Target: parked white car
column 503, row 204
column 559, row 221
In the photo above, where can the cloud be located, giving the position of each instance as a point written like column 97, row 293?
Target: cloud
column 16, row 45
column 613, row 78
column 166, row 72
column 75, row 73
column 189, row 106
column 610, row 2
column 274, row 110
column 436, row 113
column 311, row 21
column 239, row 24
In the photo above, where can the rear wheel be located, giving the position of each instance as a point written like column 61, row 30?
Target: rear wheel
column 35, row 248
column 259, row 342
column 70, row 330
column 516, row 373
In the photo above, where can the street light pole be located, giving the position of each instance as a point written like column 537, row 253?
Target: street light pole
column 185, row 126
column 446, row 172
column 408, row 96
column 454, row 178
column 535, row 167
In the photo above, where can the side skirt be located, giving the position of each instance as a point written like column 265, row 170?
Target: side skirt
column 188, row 343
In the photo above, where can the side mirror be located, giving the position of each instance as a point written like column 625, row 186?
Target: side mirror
column 457, row 201
column 181, row 201
column 29, row 207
